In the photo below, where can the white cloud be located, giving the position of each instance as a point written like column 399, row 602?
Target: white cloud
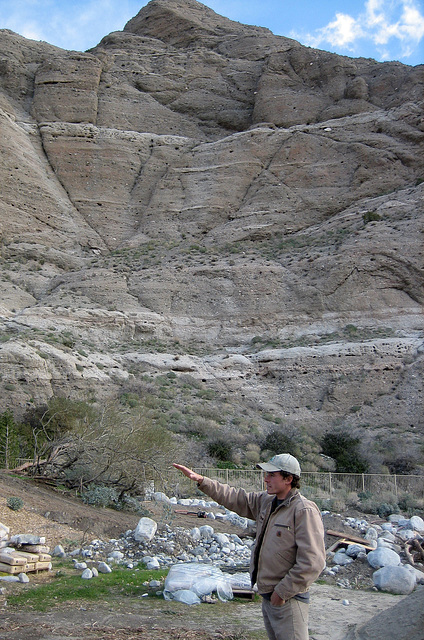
column 388, row 25
column 64, row 21
column 31, row 30
column 400, row 21
column 342, row 32
column 413, row 23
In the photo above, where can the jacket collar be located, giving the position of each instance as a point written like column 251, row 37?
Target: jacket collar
column 290, row 496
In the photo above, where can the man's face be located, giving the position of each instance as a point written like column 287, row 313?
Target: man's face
column 277, row 485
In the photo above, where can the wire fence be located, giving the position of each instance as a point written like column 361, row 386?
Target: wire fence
column 314, row 484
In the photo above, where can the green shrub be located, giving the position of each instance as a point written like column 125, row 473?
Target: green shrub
column 226, row 465
column 276, row 441
column 100, row 496
column 410, row 504
column 343, row 448
column 371, row 216
column 15, row 503
column 128, row 503
column 382, row 505
column 220, row 449
column 385, row 509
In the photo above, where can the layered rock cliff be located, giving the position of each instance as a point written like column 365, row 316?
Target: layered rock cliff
column 200, row 196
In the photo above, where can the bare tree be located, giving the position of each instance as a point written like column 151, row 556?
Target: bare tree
column 9, row 441
column 113, row 445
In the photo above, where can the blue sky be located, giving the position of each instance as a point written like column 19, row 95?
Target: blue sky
column 379, row 29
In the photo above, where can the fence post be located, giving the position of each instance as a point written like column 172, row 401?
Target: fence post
column 395, row 484
column 331, row 488
column 363, row 483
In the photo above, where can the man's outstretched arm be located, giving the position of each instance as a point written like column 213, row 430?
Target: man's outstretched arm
column 196, row 477
column 238, row 500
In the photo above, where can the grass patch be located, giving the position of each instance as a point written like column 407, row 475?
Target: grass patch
column 66, row 585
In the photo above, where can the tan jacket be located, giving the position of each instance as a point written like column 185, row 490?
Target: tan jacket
column 292, row 552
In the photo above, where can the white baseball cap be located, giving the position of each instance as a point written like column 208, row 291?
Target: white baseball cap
column 282, row 462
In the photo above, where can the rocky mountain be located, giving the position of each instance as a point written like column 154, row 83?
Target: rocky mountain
column 205, row 198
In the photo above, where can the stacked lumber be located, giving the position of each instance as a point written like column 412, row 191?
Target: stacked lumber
column 22, row 553
column 16, row 561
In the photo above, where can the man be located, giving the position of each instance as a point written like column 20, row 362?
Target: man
column 289, row 551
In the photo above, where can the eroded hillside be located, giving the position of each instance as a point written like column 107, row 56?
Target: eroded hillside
column 203, row 197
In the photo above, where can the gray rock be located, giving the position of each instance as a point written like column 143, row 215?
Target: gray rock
column 206, row 531
column 87, row 574
column 153, row 564
column 388, row 536
column 160, row 497
column 397, row 580
column 145, row 530
column 418, row 573
column 406, row 534
column 4, row 531
column 388, row 526
column 221, row 538
column 27, row 538
column 382, row 542
column 353, row 550
column 382, row 557
column 417, row 524
column 23, row 577
column 59, row 551
column 195, row 534
column 103, row 567
column 341, row 558
column 371, row 534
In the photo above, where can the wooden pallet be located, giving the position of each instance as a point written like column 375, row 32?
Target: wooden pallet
column 23, row 562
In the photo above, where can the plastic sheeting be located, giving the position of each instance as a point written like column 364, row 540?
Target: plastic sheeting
column 188, row 582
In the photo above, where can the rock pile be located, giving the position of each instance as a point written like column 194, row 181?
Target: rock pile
column 385, row 550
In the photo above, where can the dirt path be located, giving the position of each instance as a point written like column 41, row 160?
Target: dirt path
column 152, row 619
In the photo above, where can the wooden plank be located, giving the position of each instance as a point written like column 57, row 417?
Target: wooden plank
column 344, row 542
column 347, row 536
